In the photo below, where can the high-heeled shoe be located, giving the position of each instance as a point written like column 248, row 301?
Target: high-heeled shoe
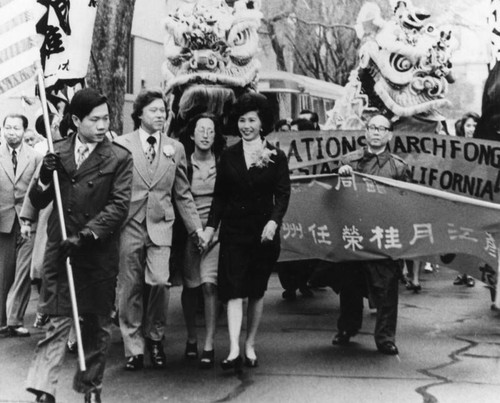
column 191, row 352
column 251, row 362
column 235, row 364
column 411, row 286
column 207, row 359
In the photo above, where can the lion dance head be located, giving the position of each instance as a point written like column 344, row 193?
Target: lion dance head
column 210, row 52
column 404, row 64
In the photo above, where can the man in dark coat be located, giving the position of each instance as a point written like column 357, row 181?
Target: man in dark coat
column 95, row 180
column 379, row 276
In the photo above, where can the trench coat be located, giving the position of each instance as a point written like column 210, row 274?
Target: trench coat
column 95, row 196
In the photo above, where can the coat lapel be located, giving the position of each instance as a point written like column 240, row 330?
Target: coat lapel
column 140, row 162
column 239, row 164
column 22, row 161
column 6, row 162
column 67, row 154
column 164, row 163
column 96, row 157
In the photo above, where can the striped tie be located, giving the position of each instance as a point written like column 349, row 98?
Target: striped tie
column 82, row 155
column 14, row 160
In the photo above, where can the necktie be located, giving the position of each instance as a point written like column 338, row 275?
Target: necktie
column 150, row 152
column 82, row 155
column 14, row 160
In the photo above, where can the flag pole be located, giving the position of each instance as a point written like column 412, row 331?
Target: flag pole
column 57, row 191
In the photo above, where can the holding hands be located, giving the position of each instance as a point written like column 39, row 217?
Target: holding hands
column 269, row 231
column 204, row 238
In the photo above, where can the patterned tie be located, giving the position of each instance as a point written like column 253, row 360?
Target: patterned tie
column 82, row 155
column 14, row 160
column 150, row 152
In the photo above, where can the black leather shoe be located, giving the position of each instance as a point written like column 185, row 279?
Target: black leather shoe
column 93, row 397
column 207, row 359
column 251, row 362
column 45, row 398
column 236, row 364
column 388, row 348
column 134, row 363
column 17, row 331
column 157, row 355
column 342, row 338
column 191, row 352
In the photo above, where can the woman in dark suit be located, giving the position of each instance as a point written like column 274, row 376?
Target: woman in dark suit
column 251, row 196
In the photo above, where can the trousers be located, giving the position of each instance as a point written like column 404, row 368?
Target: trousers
column 49, row 355
column 378, row 280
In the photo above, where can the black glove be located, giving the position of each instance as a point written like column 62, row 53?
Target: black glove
column 51, row 162
column 84, row 238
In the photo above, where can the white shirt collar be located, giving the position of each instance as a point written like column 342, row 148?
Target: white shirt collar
column 143, row 136
column 18, row 149
column 78, row 143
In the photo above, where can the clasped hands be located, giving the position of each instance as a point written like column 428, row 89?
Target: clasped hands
column 203, row 238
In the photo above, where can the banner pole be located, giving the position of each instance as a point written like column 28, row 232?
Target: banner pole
column 496, row 303
column 57, row 192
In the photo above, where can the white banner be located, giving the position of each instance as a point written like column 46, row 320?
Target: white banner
column 67, row 28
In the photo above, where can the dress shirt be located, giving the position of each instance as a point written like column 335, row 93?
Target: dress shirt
column 78, row 144
column 143, row 136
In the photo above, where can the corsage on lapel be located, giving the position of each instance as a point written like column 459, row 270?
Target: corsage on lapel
column 263, row 158
column 169, row 151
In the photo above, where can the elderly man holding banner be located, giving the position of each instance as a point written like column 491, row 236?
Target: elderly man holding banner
column 95, row 180
column 381, row 276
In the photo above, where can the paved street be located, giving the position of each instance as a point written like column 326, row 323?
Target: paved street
column 449, row 342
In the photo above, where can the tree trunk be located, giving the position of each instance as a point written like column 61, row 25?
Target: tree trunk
column 110, row 52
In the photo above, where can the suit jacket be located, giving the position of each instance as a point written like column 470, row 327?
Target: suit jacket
column 13, row 188
column 246, row 199
column 152, row 195
column 96, row 196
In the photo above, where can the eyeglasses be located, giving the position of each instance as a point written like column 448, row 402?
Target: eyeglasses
column 380, row 129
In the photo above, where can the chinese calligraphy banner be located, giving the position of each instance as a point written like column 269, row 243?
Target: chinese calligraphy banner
column 67, row 27
column 363, row 217
column 468, row 167
column 18, row 48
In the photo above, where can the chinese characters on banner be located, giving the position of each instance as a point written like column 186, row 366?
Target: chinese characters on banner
column 363, row 217
column 66, row 27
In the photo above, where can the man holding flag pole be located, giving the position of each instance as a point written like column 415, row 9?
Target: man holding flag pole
column 95, row 184
column 92, row 189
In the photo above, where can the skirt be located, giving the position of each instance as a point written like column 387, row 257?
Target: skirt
column 244, row 269
column 199, row 269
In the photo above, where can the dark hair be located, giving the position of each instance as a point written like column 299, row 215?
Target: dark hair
column 252, row 101
column 460, row 123
column 40, row 126
column 187, row 141
column 314, row 116
column 84, row 101
column 280, row 123
column 144, row 98
column 17, row 116
column 303, row 124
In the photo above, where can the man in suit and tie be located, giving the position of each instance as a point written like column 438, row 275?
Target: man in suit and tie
column 18, row 163
column 160, row 179
column 95, row 178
